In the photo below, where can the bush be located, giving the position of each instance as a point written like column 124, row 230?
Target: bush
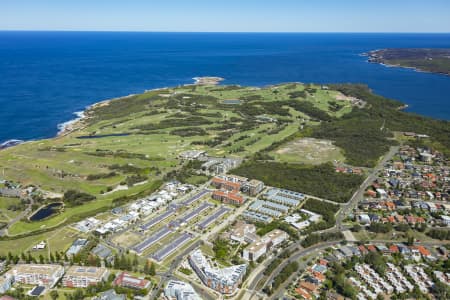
column 74, row 198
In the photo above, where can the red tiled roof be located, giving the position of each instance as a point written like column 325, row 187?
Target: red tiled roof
column 393, row 248
column 424, row 251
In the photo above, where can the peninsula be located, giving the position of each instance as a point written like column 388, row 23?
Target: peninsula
column 427, row 60
column 230, row 191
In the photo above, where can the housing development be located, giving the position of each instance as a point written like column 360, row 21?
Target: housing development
column 227, row 192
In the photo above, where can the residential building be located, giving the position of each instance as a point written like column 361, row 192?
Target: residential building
column 6, row 281
column 243, row 233
column 225, row 280
column 102, row 252
column 179, row 290
column 257, row 217
column 37, row 274
column 222, row 183
column 255, row 250
column 81, row 277
column 228, row 197
column 284, row 197
column 126, row 280
column 253, row 187
column 110, row 295
column 77, row 246
column 260, row 247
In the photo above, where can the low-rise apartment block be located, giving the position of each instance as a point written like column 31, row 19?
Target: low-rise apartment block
column 126, row 280
column 81, row 277
column 225, row 280
column 46, row 275
column 179, row 290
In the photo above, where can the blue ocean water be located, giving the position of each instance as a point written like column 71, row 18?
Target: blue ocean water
column 47, row 76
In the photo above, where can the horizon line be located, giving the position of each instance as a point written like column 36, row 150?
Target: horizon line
column 222, row 32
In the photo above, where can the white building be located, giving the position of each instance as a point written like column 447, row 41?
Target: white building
column 81, row 277
column 6, row 281
column 254, row 251
column 225, row 280
column 179, row 290
column 46, row 275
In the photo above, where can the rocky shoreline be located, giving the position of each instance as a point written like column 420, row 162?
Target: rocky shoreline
column 80, row 122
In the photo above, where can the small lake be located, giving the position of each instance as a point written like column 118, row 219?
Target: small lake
column 46, row 211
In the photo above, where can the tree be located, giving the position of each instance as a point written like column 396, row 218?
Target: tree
column 54, row 294
column 356, row 228
column 152, row 270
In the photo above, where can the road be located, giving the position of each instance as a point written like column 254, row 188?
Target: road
column 346, row 208
column 359, row 194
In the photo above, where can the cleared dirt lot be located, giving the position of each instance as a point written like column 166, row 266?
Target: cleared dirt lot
column 309, row 151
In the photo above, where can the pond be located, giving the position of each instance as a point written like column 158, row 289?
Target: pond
column 46, row 211
column 232, row 102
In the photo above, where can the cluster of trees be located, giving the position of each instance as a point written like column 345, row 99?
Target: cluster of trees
column 175, row 122
column 133, row 179
column 321, row 181
column 221, row 249
column 337, row 279
column 189, row 131
column 74, row 198
column 276, row 224
column 186, row 172
column 325, row 209
column 315, row 238
column 100, row 176
column 309, row 109
column 287, row 271
column 123, row 154
column 379, row 111
column 439, row 234
column 380, row 227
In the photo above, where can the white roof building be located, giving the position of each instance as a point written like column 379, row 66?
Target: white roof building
column 180, row 290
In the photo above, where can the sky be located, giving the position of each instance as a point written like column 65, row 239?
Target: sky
column 227, row 15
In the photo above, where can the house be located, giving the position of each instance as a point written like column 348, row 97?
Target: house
column 423, row 251
column 363, row 249
column 126, row 280
column 445, row 220
column 303, row 293
column 364, row 219
column 394, row 249
column 82, row 277
column 311, row 288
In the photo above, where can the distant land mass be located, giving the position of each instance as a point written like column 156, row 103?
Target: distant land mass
column 422, row 59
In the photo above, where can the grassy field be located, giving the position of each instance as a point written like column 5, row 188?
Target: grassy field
column 145, row 134
column 5, row 213
column 308, row 151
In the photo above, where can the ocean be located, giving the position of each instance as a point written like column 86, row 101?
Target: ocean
column 46, row 77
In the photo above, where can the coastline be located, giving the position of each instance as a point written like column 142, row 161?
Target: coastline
column 72, row 125
column 374, row 58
